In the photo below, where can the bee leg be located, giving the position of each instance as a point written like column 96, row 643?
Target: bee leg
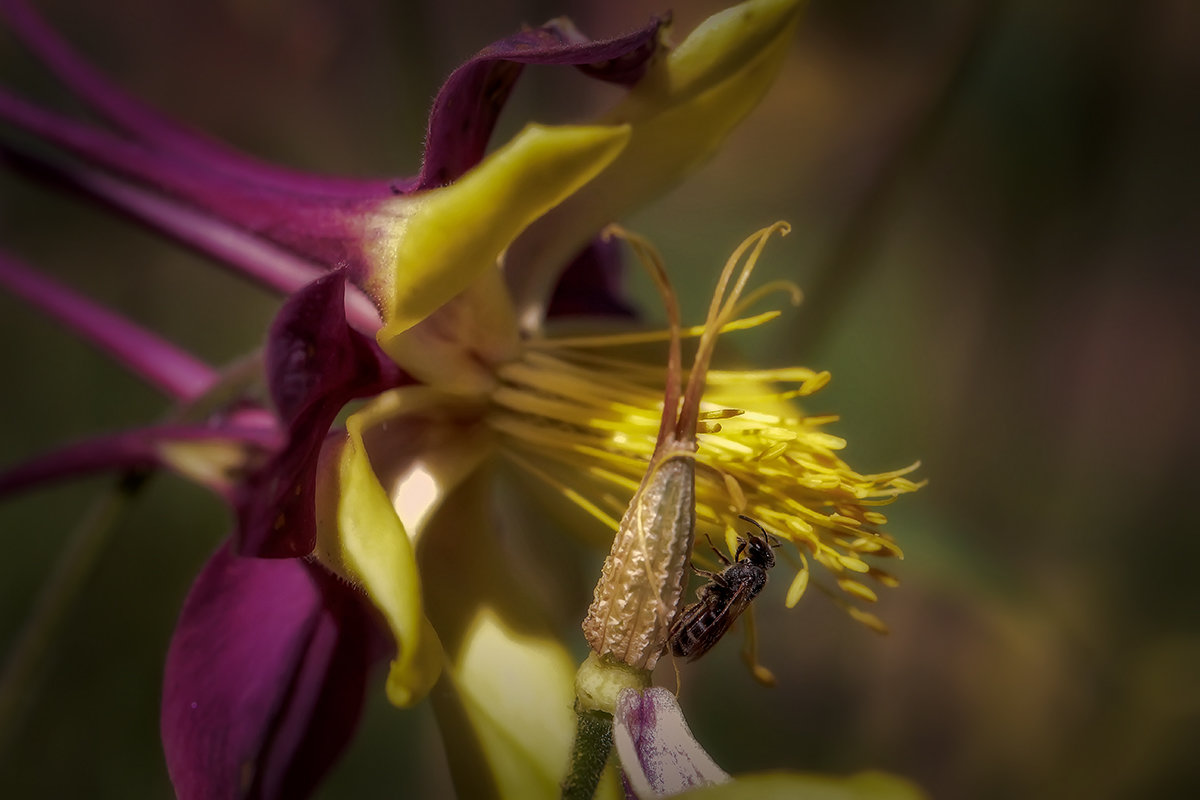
column 724, row 559
column 714, row 578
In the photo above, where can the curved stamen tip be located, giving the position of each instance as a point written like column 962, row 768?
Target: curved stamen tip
column 722, row 309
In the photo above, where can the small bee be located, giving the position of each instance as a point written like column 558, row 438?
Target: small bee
column 725, row 597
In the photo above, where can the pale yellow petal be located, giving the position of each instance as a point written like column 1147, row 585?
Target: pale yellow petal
column 360, row 538
column 505, row 711
column 515, row 689
column 449, row 236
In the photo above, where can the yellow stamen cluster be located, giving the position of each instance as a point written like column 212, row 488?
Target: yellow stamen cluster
column 585, row 421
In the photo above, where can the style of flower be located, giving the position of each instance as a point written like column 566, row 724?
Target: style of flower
column 421, row 306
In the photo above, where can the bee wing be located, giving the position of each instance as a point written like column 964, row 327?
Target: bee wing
column 721, row 617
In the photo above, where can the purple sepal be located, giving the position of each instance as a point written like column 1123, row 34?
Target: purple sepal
column 625, row 65
column 241, row 251
column 157, row 132
column 325, row 228
column 169, row 368
column 591, row 285
column 133, row 449
column 264, row 680
column 315, row 364
column 469, row 103
column 318, row 220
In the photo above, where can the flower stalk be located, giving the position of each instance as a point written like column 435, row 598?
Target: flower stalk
column 593, row 744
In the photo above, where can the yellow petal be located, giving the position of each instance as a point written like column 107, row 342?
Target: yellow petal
column 360, row 537
column 451, row 235
column 505, row 712
column 680, row 113
column 516, row 692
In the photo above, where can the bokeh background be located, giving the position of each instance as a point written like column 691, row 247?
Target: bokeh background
column 997, row 220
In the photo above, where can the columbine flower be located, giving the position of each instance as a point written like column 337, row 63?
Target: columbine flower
column 395, row 296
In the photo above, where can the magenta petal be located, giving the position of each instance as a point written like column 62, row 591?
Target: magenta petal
column 264, row 679
column 136, row 449
column 315, row 364
column 209, row 195
column 242, row 251
column 151, row 128
column 469, row 103
column 169, row 368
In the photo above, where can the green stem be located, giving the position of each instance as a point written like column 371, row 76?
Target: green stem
column 593, row 743
column 26, row 662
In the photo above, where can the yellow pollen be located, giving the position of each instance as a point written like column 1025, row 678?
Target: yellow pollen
column 582, row 418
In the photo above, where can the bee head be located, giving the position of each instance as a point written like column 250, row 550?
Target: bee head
column 758, row 548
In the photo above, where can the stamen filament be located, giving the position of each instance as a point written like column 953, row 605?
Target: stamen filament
column 719, row 312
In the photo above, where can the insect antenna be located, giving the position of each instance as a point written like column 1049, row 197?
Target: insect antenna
column 766, row 536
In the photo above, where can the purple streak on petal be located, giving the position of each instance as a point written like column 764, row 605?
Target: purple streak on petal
column 170, row 369
column 469, row 103
column 659, row 755
column 264, row 680
column 134, row 449
column 148, row 126
column 261, row 261
column 591, row 285
column 315, row 364
column 635, row 714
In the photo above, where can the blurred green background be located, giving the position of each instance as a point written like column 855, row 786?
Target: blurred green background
column 997, row 218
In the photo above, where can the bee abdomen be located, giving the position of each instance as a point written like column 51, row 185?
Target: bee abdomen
column 688, row 637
